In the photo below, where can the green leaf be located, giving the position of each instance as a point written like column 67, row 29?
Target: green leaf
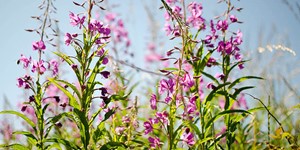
column 214, row 91
column 239, row 90
column 239, row 80
column 72, row 100
column 25, row 118
column 112, row 145
column 211, row 77
column 69, row 61
column 27, row 134
column 205, row 60
column 225, row 112
column 14, row 146
column 73, row 87
column 233, row 66
column 64, row 142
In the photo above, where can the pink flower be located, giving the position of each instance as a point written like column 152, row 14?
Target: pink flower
column 188, row 137
column 76, row 20
column 119, row 130
column 222, row 25
column 233, row 18
column 69, row 38
column 25, row 61
column 187, row 81
column 39, row 45
column 154, row 142
column 39, row 66
column 168, row 29
column 166, row 85
column 162, row 117
column 149, row 125
column 153, row 101
column 54, row 66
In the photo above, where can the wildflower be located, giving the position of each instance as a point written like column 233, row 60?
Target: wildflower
column 39, row 66
column 195, row 19
column 69, row 38
column 176, row 10
column 126, row 119
column 188, row 137
column 74, row 66
column 166, row 85
column 119, row 130
column 211, row 61
column 187, row 81
column 24, row 107
column 26, row 61
column 105, row 61
column 20, row 82
column 210, row 86
column 222, row 25
column 39, row 45
column 154, row 142
column 76, row 20
column 54, row 65
column 168, row 28
column 148, row 126
column 105, row 74
column 153, row 101
column 31, row 98
column 162, row 117
column 233, row 18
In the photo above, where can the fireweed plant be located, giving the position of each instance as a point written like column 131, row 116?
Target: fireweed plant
column 190, row 109
column 185, row 116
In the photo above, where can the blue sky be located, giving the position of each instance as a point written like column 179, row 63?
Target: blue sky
column 271, row 18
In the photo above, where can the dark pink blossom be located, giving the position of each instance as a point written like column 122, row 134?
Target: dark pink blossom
column 162, row 117
column 154, row 142
column 39, row 45
column 105, row 74
column 211, row 61
column 233, row 18
column 69, row 38
column 149, row 125
column 153, row 101
column 75, row 20
column 54, row 66
column 187, row 81
column 166, row 85
column 210, row 86
column 38, row 66
column 26, row 61
column 222, row 25
column 195, row 19
column 188, row 137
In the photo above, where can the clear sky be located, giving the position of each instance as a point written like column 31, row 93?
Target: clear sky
column 272, row 18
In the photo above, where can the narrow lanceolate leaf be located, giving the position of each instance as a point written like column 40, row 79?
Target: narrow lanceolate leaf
column 73, row 87
column 211, row 77
column 239, row 90
column 69, row 61
column 72, row 100
column 113, row 145
column 205, row 60
column 25, row 118
column 64, row 142
column 225, row 112
column 14, row 146
column 214, row 91
column 239, row 80
column 27, row 134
